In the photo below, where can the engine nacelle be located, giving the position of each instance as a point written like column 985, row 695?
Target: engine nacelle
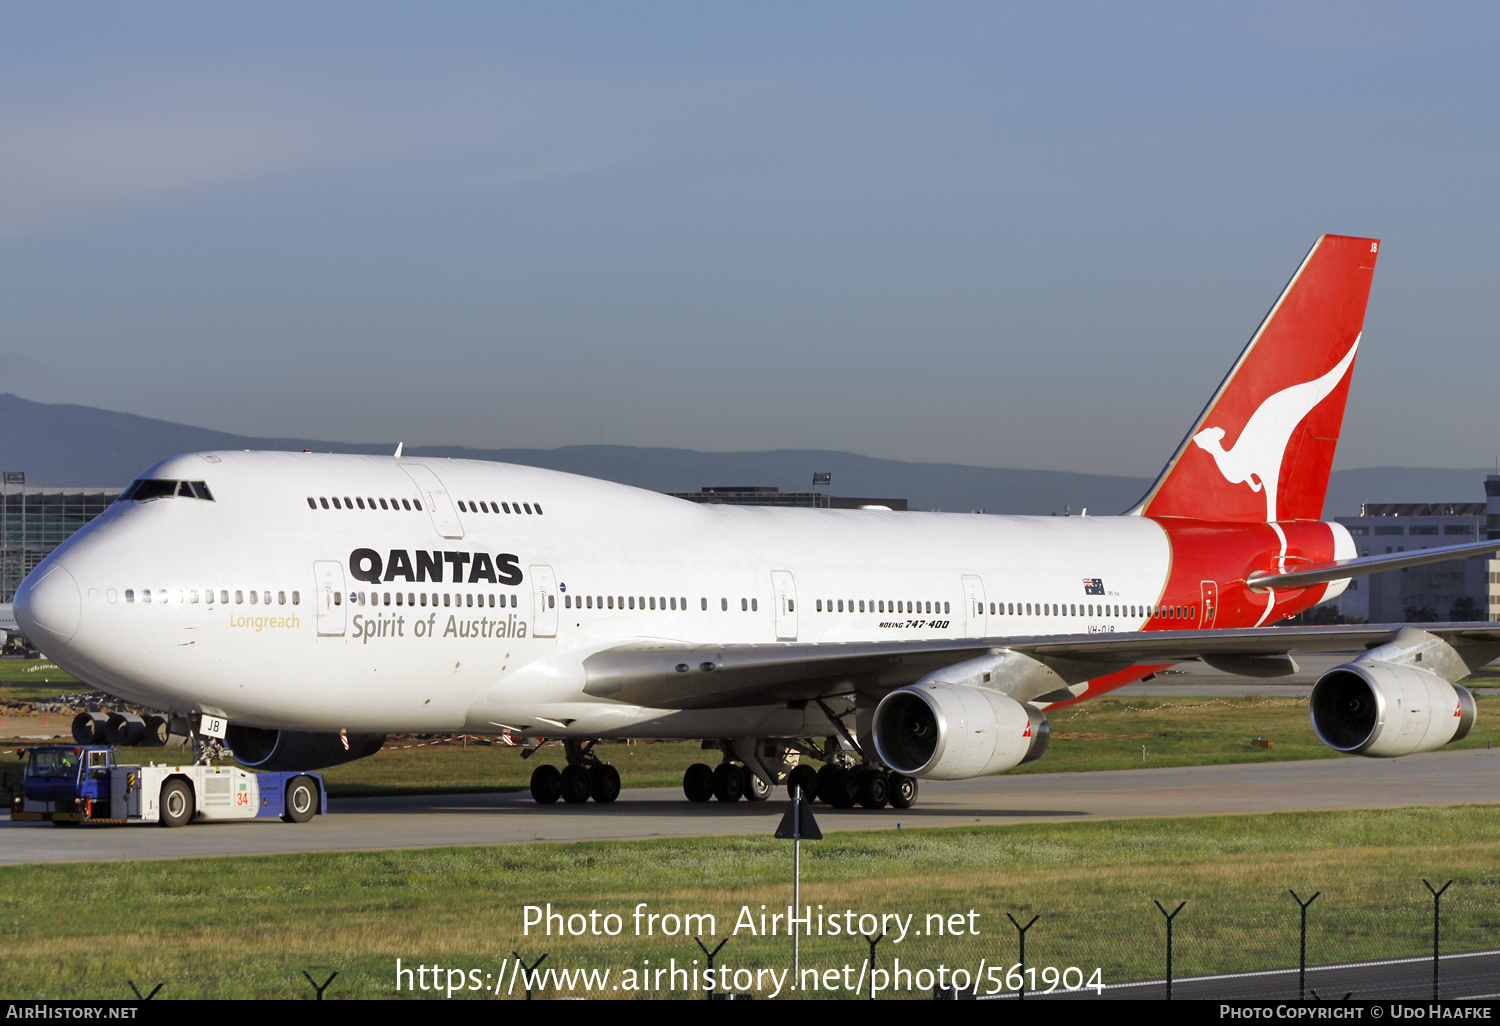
column 284, row 750
column 1385, row 710
column 955, row 731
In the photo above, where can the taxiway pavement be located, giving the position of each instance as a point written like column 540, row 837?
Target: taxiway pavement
column 1439, row 778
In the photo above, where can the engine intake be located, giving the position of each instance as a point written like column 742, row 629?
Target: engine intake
column 1386, row 710
column 954, row 731
column 283, row 750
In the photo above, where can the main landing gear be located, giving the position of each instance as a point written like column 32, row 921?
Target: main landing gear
column 584, row 777
column 727, row 782
column 844, row 787
column 839, row 782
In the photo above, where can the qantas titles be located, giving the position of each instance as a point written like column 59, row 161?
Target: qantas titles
column 367, row 565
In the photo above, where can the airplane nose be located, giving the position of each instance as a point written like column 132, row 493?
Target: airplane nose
column 49, row 608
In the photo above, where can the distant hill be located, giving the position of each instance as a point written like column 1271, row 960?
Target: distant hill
column 80, row 445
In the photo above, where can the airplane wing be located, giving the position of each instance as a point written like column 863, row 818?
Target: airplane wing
column 667, row 675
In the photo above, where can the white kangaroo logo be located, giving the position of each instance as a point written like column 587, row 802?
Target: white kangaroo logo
column 1258, row 453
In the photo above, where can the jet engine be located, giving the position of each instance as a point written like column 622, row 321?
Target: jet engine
column 953, row 731
column 283, row 750
column 1384, row 710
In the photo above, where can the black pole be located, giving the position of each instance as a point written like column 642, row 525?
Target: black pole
column 315, row 986
column 872, row 941
column 711, row 955
column 1021, row 993
column 1302, row 954
column 1170, row 916
column 528, row 970
column 1437, row 905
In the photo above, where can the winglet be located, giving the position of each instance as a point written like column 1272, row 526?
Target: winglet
column 1262, row 450
column 398, row 449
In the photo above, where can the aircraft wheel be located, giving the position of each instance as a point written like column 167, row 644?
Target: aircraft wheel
column 843, row 789
column 301, row 799
column 826, row 773
column 576, row 785
column 805, row 778
column 903, row 791
column 874, row 788
column 176, row 803
column 729, row 785
column 546, row 785
column 604, row 783
column 756, row 789
column 698, row 782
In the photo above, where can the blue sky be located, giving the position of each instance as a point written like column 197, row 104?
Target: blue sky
column 1030, row 236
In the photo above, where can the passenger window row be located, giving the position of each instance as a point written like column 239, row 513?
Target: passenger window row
column 190, row 597
column 662, row 602
column 495, row 507
column 146, row 488
column 421, row 598
column 648, row 602
column 361, row 502
column 882, row 606
column 1173, row 612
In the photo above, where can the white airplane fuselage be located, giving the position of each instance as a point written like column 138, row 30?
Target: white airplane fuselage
column 498, row 607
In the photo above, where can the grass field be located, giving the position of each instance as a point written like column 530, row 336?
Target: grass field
column 247, row 927
column 26, row 679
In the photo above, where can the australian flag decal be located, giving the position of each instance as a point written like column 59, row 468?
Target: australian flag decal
column 1093, row 586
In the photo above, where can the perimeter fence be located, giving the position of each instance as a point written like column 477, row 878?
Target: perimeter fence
column 1413, row 940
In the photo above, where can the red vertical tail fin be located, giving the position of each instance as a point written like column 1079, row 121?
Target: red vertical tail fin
column 1262, row 450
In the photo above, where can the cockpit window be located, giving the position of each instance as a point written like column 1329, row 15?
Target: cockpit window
column 149, row 488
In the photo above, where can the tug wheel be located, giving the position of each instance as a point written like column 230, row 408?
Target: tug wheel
column 176, row 803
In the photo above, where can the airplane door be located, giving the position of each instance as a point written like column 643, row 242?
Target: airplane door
column 543, row 602
column 1210, row 604
column 435, row 495
column 784, row 593
column 329, row 595
column 974, row 615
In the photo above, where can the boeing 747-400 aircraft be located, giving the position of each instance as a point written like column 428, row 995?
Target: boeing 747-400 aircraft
column 314, row 603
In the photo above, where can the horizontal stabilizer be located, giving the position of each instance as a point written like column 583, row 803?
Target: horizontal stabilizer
column 1307, row 574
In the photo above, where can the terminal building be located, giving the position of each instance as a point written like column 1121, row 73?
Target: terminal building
column 35, row 520
column 1492, row 527
column 1459, row 590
